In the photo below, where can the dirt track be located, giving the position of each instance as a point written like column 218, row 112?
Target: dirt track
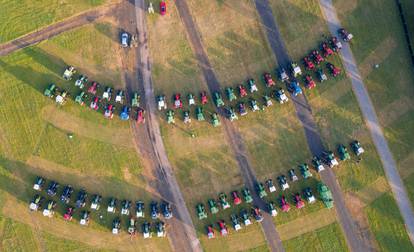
column 233, row 136
column 57, row 28
column 356, row 238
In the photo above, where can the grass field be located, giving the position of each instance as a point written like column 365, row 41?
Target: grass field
column 329, row 238
column 20, row 17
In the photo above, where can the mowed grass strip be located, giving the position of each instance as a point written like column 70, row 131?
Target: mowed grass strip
column 20, row 17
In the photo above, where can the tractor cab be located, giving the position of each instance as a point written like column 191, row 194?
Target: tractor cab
column 294, row 88
column 94, row 103
column 343, row 153
column 170, row 117
column 167, row 210
column 125, row 207
column 283, row 182
column 213, row 206
column 69, row 72
column 304, row 170
column 330, row 159
column 257, row 214
column 96, row 202
column 309, row 82
column 39, row 183
column 107, row 94
column 84, row 218
column 317, row 163
column 335, row 44
column 162, row 104
column 191, row 100
column 177, row 101
column 260, row 190
column 281, row 96
column 187, row 118
column 327, row 51
column 335, row 71
column 80, row 98
column 236, row 198
column 292, row 175
column 111, row 206
column 139, row 209
column 235, row 222
column 49, row 209
column 268, row 80
column 36, row 203
column 140, row 115
column 68, row 215
column 295, row 69
column 83, row 79
column 231, row 115
column 270, row 186
column 61, row 97
column 210, row 232
column 203, row 97
column 242, row 91
column 109, row 111
column 308, row 63
column 309, row 195
column 201, row 211
column 146, row 230
column 223, row 228
column 317, row 58
column 116, row 226
column 245, row 216
column 132, row 227
column 252, row 86
column 223, row 201
column 326, row 195
column 124, row 115
column 267, row 101
column 357, row 148
column 50, row 91
column 321, row 75
column 246, row 195
column 199, row 114
column 218, row 100
column 93, row 88
column 242, row 109
column 230, row 94
column 283, row 76
column 135, row 100
column 160, row 226
column 155, row 212
column 119, row 98
column 66, row 194
column 215, row 120
column 298, row 201
column 272, row 209
column 81, row 199
column 253, row 105
column 284, row 205
column 52, row 189
column 345, row 35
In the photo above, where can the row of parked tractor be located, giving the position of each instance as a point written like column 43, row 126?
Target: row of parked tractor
column 311, row 62
column 88, row 91
column 95, row 203
column 262, row 190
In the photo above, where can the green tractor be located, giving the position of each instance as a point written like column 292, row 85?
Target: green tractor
column 231, row 115
column 304, row 170
column 223, row 201
column 343, row 153
column 170, row 117
column 356, row 148
column 201, row 211
column 215, row 120
column 135, row 100
column 326, row 195
column 213, row 206
column 230, row 94
column 246, row 195
column 80, row 98
column 50, row 90
column 261, row 190
column 199, row 114
column 267, row 101
column 218, row 100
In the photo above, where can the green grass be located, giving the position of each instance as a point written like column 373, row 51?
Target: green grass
column 329, row 238
column 387, row 225
column 53, row 243
column 11, row 234
column 409, row 185
column 408, row 5
column 400, row 137
column 20, row 17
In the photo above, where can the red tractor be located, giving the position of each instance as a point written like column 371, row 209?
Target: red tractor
column 92, row 89
column 284, row 205
column 309, row 82
column 335, row 71
column 268, row 80
column 69, row 213
column 317, row 58
column 236, row 198
column 140, row 116
column 298, row 201
column 210, row 232
column 327, row 51
column 242, row 91
column 223, row 228
column 203, row 96
column 95, row 103
column 163, row 8
column 308, row 63
column 109, row 111
column 177, row 101
column 335, row 44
